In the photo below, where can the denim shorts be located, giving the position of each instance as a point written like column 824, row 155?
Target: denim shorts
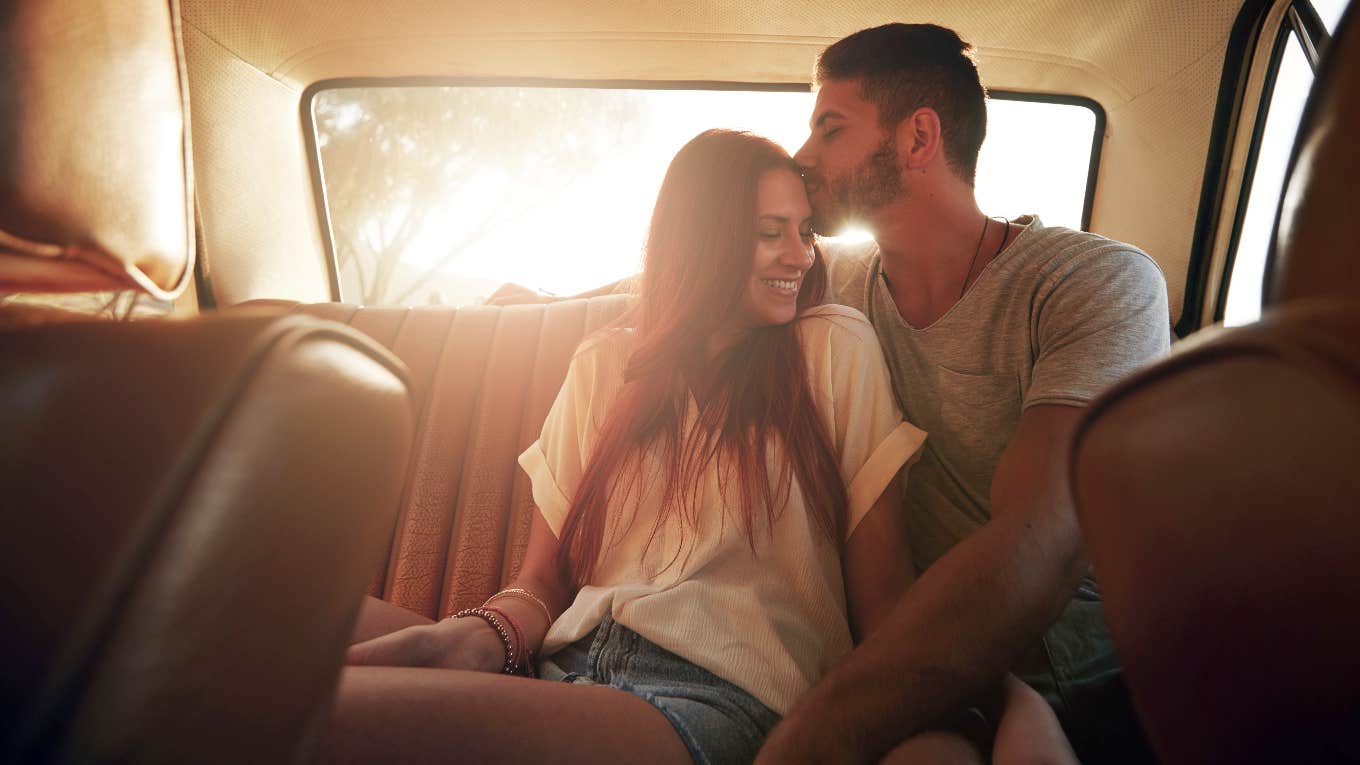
column 719, row 722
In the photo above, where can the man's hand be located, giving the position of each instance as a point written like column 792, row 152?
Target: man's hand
column 468, row 643
column 800, row 739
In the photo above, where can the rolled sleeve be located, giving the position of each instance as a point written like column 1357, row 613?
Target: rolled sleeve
column 551, row 501
column 556, row 461
column 873, row 442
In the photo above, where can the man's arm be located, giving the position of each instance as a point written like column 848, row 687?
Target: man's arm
column 516, row 294
column 959, row 628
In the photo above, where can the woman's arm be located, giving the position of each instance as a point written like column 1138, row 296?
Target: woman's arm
column 471, row 643
column 540, row 575
column 877, row 563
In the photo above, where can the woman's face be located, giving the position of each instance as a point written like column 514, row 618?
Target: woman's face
column 783, row 250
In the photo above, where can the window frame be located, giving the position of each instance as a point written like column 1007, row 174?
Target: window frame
column 1302, row 23
column 1244, row 45
column 314, row 151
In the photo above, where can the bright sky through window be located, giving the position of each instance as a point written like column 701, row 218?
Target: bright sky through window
column 442, row 194
column 1292, row 84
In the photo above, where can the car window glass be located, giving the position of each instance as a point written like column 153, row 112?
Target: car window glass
column 1282, row 121
column 437, row 195
column 1330, row 12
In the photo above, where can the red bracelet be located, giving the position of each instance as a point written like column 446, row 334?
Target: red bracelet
column 524, row 661
column 508, row 668
column 515, row 628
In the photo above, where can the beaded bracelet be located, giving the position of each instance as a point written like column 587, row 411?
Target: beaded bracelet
column 524, row 657
column 490, row 618
column 525, row 595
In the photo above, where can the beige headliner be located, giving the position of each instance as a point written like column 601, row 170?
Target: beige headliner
column 1154, row 66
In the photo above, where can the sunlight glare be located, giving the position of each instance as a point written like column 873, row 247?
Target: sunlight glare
column 566, row 224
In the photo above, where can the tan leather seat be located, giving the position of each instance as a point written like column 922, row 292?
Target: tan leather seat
column 1218, row 491
column 190, row 509
column 483, row 380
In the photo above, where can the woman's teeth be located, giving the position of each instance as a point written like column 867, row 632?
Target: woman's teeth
column 788, row 285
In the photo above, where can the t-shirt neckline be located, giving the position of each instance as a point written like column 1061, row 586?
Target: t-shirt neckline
column 1021, row 242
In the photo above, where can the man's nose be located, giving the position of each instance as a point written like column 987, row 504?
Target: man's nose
column 805, row 156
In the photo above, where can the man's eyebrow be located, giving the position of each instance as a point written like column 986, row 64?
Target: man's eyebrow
column 775, row 218
column 824, row 116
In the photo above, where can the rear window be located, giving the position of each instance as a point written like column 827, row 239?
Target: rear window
column 440, row 194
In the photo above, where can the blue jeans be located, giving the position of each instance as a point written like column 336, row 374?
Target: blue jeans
column 719, row 722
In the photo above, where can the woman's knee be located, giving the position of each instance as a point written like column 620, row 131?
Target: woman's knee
column 935, row 747
column 1029, row 732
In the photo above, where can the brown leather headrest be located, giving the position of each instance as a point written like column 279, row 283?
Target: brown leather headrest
column 95, row 179
column 1316, row 236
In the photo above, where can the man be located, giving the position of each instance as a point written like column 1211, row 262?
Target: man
column 997, row 333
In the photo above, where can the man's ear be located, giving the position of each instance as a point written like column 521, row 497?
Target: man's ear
column 918, row 139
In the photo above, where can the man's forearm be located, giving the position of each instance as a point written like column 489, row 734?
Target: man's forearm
column 957, row 630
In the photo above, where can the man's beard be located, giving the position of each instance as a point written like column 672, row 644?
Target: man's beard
column 870, row 186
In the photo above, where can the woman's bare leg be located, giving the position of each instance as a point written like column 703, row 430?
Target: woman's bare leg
column 1029, row 733
column 378, row 617
column 418, row 715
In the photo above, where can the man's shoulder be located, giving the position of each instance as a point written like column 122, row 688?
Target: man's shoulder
column 845, row 258
column 848, row 252
column 848, row 266
column 1061, row 252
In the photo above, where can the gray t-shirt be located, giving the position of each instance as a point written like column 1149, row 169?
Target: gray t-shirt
column 1056, row 318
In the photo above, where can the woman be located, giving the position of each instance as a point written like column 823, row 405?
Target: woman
column 718, row 514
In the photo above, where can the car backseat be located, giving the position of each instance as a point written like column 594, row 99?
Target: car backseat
column 483, row 379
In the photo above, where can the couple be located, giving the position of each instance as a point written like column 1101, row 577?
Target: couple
column 723, row 483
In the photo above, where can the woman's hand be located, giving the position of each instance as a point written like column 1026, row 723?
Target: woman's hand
column 467, row 643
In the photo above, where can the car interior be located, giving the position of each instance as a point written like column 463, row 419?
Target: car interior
column 211, row 450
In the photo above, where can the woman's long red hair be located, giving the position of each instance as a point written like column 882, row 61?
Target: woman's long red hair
column 697, row 265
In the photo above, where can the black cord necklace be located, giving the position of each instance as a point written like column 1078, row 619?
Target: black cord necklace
column 964, row 287
column 883, row 273
column 1004, row 236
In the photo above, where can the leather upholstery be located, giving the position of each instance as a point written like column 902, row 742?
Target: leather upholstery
column 1217, row 494
column 191, row 511
column 94, row 154
column 1217, row 490
column 483, row 379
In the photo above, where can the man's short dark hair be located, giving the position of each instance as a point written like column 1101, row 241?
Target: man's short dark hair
column 903, row 67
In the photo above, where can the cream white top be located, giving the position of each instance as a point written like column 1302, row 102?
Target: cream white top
column 771, row 622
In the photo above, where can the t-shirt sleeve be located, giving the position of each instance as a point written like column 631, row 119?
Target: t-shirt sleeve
column 556, row 461
column 872, row 440
column 1104, row 318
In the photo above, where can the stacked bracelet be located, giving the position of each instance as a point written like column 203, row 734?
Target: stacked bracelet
column 525, row 595
column 524, row 656
column 490, row 617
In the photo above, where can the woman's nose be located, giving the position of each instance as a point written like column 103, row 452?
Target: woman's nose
column 796, row 253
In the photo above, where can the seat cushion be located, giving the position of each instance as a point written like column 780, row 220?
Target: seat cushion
column 192, row 511
column 483, row 379
column 1217, row 493
column 96, row 179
